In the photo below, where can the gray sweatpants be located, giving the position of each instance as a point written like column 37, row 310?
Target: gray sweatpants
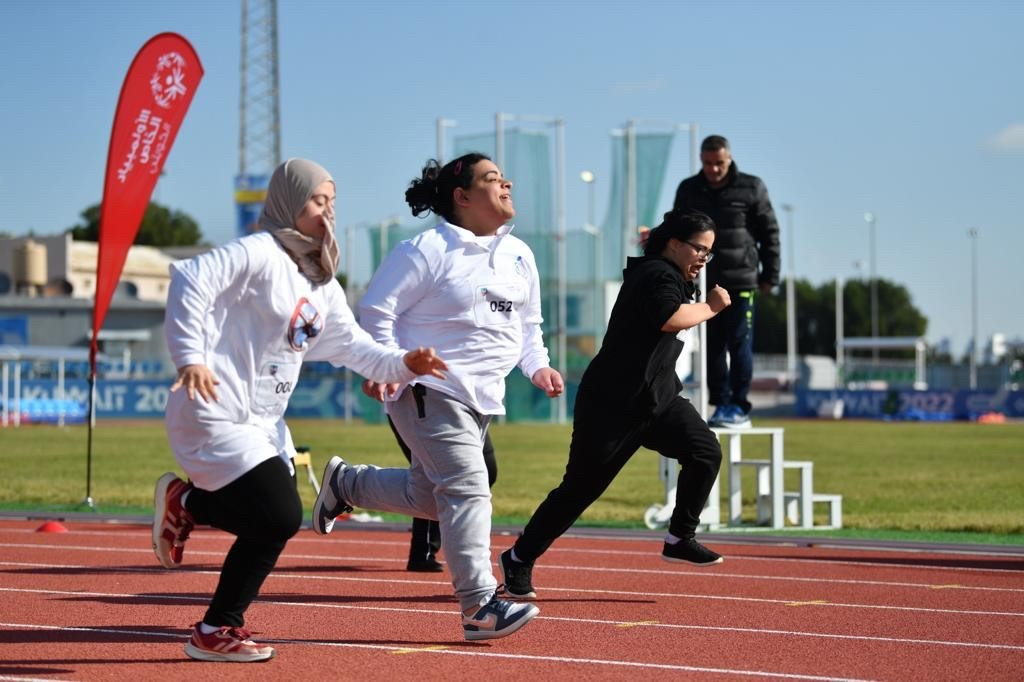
column 446, row 481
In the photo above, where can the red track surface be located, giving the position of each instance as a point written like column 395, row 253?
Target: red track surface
column 93, row 604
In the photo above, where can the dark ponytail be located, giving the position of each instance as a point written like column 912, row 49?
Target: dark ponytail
column 433, row 190
column 680, row 224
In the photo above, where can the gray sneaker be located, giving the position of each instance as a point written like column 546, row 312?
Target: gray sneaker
column 330, row 503
column 497, row 618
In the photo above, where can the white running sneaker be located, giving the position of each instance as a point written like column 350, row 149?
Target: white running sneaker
column 330, row 503
column 497, row 618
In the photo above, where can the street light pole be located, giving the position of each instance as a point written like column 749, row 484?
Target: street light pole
column 590, row 228
column 973, row 235
column 840, row 336
column 631, row 219
column 563, row 296
column 790, row 299
column 873, row 283
column 588, row 177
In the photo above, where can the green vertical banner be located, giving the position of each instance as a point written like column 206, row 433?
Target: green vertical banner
column 385, row 237
column 652, row 154
column 529, row 162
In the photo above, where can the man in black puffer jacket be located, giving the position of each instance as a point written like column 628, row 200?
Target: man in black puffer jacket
column 746, row 260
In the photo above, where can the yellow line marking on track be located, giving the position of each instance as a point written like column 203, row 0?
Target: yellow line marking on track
column 807, row 603
column 417, row 650
column 637, row 624
column 945, row 587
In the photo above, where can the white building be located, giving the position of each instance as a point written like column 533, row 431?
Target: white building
column 60, row 266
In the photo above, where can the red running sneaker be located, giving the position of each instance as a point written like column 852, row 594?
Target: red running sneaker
column 171, row 521
column 227, row 644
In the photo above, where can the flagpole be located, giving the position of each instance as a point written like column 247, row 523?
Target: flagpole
column 154, row 97
column 88, row 501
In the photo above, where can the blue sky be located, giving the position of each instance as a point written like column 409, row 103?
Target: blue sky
column 911, row 110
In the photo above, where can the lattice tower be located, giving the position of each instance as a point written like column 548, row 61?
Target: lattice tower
column 259, row 139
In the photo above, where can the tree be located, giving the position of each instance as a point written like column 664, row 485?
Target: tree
column 160, row 227
column 816, row 316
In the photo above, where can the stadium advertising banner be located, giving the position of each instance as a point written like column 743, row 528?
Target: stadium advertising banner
column 147, row 399
column 326, row 398
column 910, row 405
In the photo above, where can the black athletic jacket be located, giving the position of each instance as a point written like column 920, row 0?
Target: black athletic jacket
column 746, row 230
column 635, row 370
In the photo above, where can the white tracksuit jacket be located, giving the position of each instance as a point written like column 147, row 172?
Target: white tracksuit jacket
column 245, row 311
column 476, row 300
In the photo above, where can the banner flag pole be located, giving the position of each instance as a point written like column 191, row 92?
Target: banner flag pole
column 155, row 96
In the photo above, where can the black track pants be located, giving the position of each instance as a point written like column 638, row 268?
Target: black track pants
column 263, row 510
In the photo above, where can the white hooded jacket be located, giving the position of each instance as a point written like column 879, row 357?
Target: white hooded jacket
column 476, row 300
column 245, row 311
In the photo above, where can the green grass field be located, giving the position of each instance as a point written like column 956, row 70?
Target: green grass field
column 954, row 482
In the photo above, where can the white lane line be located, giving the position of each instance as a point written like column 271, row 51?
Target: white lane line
column 300, row 539
column 922, row 554
column 933, row 555
column 716, row 573
column 281, row 573
column 591, row 621
column 574, row 568
column 457, row 652
column 829, row 562
column 700, row 573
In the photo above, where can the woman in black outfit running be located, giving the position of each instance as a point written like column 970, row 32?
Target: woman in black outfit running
column 629, row 397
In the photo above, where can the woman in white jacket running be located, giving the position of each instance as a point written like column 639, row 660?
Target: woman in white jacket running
column 472, row 289
column 240, row 321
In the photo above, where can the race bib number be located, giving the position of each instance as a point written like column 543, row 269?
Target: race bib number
column 274, row 385
column 497, row 304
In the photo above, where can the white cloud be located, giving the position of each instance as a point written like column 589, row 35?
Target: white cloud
column 1009, row 139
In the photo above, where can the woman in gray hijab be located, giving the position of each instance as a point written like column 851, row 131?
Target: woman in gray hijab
column 240, row 321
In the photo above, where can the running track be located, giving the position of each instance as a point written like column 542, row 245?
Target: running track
column 92, row 604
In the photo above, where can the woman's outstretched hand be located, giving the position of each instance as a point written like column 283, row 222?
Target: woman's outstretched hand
column 197, row 379
column 378, row 391
column 549, row 381
column 425, row 361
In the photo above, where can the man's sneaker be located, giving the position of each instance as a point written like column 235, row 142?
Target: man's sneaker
column 518, row 577
column 226, row 644
column 330, row 503
column 426, row 564
column 689, row 551
column 732, row 417
column 171, row 521
column 497, row 618
column 718, row 415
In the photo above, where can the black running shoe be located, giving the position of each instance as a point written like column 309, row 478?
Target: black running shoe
column 424, row 565
column 689, row 551
column 518, row 577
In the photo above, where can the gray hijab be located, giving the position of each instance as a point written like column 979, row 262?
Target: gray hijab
column 291, row 186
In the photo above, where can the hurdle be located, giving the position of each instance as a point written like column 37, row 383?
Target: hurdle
column 303, row 458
